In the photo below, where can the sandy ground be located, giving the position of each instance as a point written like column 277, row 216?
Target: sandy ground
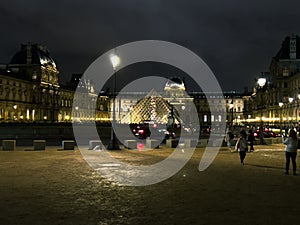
column 58, row 187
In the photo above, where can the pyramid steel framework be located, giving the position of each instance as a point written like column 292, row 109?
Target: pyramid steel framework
column 153, row 108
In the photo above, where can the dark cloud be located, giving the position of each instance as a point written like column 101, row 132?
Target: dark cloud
column 237, row 39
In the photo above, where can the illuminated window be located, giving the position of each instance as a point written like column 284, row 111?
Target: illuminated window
column 285, row 72
column 205, row 118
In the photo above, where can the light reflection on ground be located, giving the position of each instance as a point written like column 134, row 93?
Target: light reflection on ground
column 58, row 187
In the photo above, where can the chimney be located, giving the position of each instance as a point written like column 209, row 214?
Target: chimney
column 28, row 53
column 293, row 47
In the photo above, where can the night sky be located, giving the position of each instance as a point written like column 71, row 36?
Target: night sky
column 237, row 39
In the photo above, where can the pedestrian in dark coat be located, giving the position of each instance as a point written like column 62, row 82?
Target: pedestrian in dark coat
column 242, row 146
column 291, row 151
column 251, row 140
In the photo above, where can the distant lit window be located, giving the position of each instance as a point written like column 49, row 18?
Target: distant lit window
column 205, row 118
column 220, row 118
column 285, row 72
column 212, row 118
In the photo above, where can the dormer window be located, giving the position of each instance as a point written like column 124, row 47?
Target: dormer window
column 285, row 72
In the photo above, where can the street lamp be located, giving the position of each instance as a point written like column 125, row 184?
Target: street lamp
column 15, row 117
column 231, row 106
column 113, row 144
column 261, row 82
column 291, row 110
column 297, row 112
column 280, row 105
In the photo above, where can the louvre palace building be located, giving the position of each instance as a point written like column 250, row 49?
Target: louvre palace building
column 276, row 100
column 30, row 92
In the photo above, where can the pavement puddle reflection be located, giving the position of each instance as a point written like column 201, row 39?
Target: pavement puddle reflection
column 110, row 164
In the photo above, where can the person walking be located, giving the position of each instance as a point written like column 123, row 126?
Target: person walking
column 251, row 140
column 229, row 139
column 242, row 146
column 291, row 151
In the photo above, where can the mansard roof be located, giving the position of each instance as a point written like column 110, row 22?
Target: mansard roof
column 284, row 52
column 33, row 54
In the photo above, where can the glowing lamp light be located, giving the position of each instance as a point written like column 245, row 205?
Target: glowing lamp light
column 115, row 60
column 280, row 104
column 262, row 81
column 15, row 106
column 291, row 100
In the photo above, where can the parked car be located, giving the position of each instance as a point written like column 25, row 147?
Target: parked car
column 266, row 134
column 141, row 131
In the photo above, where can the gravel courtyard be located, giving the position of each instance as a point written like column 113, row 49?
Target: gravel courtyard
column 58, row 187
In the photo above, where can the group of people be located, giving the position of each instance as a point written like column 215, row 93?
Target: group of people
column 250, row 139
column 245, row 140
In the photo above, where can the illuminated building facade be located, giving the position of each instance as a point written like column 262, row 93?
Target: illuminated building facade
column 135, row 107
column 30, row 91
column 277, row 102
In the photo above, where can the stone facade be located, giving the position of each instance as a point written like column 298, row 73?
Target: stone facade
column 277, row 103
column 30, row 91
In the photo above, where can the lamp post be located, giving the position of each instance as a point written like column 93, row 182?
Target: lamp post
column 297, row 110
column 261, row 82
column 15, row 117
column 280, row 105
column 297, row 113
column 231, row 107
column 291, row 109
column 113, row 144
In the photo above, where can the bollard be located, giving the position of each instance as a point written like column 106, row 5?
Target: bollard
column 39, row 145
column 68, row 145
column 8, row 145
